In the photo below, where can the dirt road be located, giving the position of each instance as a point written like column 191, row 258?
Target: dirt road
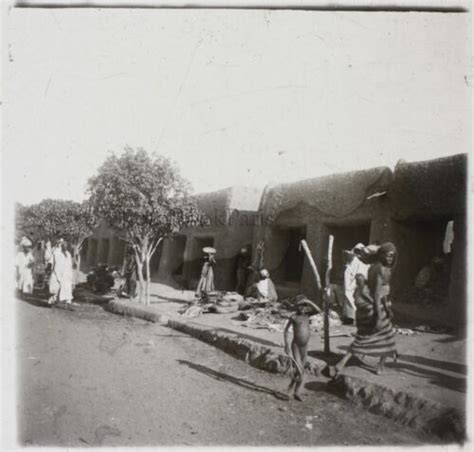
column 92, row 378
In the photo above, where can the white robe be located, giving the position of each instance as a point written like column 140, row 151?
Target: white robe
column 24, row 264
column 62, row 277
column 352, row 269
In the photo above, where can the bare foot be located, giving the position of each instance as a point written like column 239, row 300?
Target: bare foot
column 333, row 371
column 298, row 397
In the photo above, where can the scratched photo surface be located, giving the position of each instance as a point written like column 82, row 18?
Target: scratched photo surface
column 237, row 227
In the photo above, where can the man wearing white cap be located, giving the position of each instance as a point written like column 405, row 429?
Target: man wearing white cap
column 24, row 267
column 264, row 290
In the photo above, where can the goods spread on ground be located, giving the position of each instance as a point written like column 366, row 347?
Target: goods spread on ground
column 253, row 313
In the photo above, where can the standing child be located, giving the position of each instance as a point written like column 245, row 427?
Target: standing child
column 299, row 346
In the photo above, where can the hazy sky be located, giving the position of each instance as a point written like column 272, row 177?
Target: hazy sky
column 235, row 97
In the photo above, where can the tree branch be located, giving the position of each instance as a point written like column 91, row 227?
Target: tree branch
column 154, row 247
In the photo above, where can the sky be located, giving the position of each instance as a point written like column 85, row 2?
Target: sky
column 234, row 97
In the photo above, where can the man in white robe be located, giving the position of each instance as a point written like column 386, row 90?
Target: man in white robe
column 264, row 290
column 62, row 276
column 354, row 266
column 24, row 267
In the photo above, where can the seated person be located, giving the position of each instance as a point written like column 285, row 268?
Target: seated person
column 264, row 290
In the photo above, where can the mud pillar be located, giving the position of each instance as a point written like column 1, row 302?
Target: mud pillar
column 458, row 280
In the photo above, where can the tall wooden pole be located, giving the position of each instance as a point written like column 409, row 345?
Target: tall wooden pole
column 312, row 264
column 326, row 293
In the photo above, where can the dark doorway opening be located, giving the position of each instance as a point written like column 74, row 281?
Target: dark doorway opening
column 156, row 259
column 425, row 245
column 93, row 252
column 345, row 238
column 179, row 246
column 104, row 251
column 294, row 257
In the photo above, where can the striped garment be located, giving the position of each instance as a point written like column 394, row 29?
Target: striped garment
column 375, row 337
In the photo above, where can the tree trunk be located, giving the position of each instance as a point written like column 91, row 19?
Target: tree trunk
column 140, row 276
column 147, row 290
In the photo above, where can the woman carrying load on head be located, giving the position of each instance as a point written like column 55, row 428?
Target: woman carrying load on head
column 375, row 334
column 206, row 283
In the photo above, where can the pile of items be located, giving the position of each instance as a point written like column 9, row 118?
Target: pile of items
column 316, row 321
column 272, row 317
column 254, row 313
column 217, row 302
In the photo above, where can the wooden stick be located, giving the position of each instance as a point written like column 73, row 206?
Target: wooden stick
column 326, row 296
column 312, row 264
column 318, row 310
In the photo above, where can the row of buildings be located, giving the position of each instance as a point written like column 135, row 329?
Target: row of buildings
column 413, row 206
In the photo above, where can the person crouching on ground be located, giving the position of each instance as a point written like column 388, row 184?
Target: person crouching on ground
column 264, row 290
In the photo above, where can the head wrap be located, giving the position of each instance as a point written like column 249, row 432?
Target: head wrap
column 359, row 246
column 264, row 273
column 387, row 247
column 25, row 242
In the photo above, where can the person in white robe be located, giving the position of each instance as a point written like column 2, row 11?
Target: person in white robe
column 62, row 276
column 24, row 267
column 353, row 267
column 264, row 290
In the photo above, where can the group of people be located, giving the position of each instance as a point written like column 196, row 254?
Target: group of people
column 368, row 301
column 58, row 266
column 262, row 288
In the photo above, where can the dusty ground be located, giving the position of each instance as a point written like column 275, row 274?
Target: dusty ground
column 431, row 365
column 92, row 378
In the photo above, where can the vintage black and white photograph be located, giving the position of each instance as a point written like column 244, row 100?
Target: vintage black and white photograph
column 236, row 225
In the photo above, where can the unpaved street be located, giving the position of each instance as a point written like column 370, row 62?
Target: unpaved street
column 93, row 378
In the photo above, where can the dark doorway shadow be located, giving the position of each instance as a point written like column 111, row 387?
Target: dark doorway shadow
column 237, row 381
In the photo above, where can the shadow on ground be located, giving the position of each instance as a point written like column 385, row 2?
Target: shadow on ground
column 241, row 335
column 34, row 300
column 418, row 366
column 158, row 298
column 237, row 381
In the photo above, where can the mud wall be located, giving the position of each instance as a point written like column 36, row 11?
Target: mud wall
column 372, row 216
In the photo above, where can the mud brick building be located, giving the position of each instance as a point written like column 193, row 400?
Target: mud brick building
column 415, row 206
column 231, row 217
column 350, row 206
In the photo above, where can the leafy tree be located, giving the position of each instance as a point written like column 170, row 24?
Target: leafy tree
column 145, row 199
column 57, row 218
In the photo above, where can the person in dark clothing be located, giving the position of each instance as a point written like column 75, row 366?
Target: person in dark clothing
column 244, row 269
